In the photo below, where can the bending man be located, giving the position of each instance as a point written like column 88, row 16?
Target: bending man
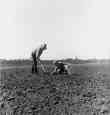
column 36, row 57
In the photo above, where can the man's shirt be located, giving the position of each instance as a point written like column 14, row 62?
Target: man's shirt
column 38, row 51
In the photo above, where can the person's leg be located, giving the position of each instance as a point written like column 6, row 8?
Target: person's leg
column 61, row 71
column 36, row 66
column 32, row 68
column 61, row 68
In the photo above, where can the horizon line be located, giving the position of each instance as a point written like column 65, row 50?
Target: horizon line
column 55, row 59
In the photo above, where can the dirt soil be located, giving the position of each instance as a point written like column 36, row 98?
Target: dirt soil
column 85, row 92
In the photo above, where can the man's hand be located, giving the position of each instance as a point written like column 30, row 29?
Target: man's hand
column 38, row 60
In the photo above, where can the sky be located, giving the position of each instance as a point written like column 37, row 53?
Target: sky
column 69, row 27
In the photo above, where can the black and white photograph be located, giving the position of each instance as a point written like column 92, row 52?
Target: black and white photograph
column 54, row 57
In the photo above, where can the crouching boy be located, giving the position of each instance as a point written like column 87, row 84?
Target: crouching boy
column 60, row 68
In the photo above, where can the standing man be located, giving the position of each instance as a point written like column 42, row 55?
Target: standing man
column 36, row 56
